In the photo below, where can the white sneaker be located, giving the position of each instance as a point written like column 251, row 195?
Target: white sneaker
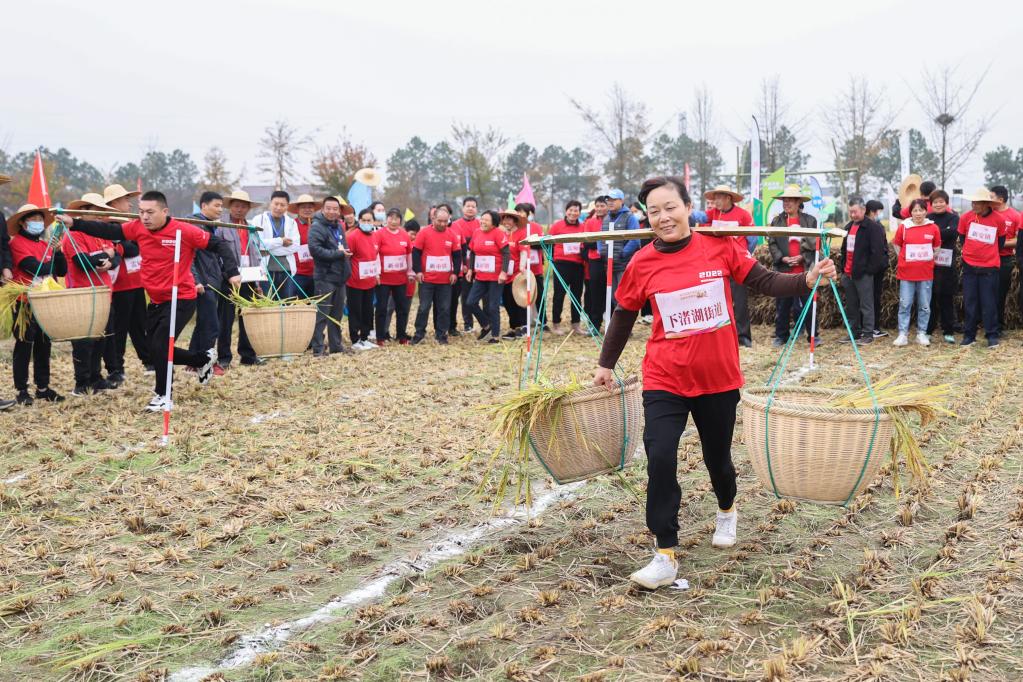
column 205, row 373
column 156, row 404
column 372, row 335
column 724, row 533
column 661, row 571
column 901, row 340
column 923, row 339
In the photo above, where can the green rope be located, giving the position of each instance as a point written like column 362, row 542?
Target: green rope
column 283, row 266
column 779, row 367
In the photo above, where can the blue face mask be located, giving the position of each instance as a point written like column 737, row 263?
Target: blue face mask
column 366, row 227
column 35, row 227
column 380, row 217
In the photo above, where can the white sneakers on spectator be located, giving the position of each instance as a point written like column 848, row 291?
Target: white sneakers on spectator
column 901, row 340
column 661, row 571
column 205, row 373
column 365, row 345
column 922, row 339
column 724, row 532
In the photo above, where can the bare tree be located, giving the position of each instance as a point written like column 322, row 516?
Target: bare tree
column 479, row 151
column 278, row 151
column 778, row 128
column 621, row 130
column 215, row 175
column 336, row 165
column 857, row 120
column 706, row 157
column 946, row 101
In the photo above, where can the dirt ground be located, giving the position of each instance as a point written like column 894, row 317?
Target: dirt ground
column 292, row 484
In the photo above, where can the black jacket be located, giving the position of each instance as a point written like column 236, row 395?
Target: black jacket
column 5, row 249
column 779, row 246
column 329, row 263
column 207, row 268
column 871, row 249
column 948, row 226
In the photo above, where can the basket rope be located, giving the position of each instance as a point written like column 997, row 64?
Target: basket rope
column 774, row 379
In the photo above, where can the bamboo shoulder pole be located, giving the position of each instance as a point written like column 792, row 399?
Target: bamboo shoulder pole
column 132, row 216
column 611, row 235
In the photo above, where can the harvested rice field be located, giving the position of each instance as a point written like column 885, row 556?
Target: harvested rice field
column 319, row 519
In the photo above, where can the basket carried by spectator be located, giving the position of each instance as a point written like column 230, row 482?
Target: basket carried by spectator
column 595, row 432
column 280, row 330
column 71, row 314
column 804, row 448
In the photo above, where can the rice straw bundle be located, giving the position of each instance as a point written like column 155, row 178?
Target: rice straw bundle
column 10, row 294
column 261, row 300
column 900, row 401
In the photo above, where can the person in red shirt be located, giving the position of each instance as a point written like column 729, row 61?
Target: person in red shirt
column 465, row 227
column 725, row 213
column 691, row 364
column 155, row 232
column 917, row 241
column 436, row 260
column 534, row 256
column 983, row 234
column 594, row 292
column 32, row 258
column 363, row 281
column 304, row 207
column 568, row 261
column 489, row 257
column 395, row 248
column 1006, row 254
column 511, row 223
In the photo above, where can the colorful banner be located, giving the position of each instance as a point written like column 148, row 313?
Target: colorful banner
column 774, row 184
column 816, row 200
column 360, row 196
column 904, row 152
column 525, row 196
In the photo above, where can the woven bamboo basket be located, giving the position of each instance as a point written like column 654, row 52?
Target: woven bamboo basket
column 818, row 453
column 71, row 314
column 597, row 433
column 281, row 330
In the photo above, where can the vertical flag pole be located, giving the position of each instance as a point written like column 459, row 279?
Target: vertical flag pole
column 170, row 342
column 813, row 311
column 610, row 279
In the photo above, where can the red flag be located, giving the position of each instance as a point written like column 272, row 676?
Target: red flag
column 687, row 176
column 526, row 195
column 38, row 193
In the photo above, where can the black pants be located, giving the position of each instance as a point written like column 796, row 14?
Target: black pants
column 572, row 273
column 1004, row 280
column 128, row 309
column 460, row 293
column 980, row 301
column 228, row 312
column 598, row 289
column 157, row 331
column 360, row 313
column 437, row 297
column 34, row 346
column 516, row 313
column 329, row 312
column 943, row 300
column 86, row 356
column 488, row 315
column 740, row 306
column 789, row 308
column 396, row 295
column 207, row 322
column 665, row 416
column 878, row 290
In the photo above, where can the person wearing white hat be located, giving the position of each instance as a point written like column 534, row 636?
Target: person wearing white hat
column 983, row 233
column 279, row 241
column 246, row 252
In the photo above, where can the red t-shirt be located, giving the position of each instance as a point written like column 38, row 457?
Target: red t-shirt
column 303, row 261
column 465, row 228
column 78, row 278
column 980, row 248
column 535, row 256
column 735, row 216
column 487, row 248
column 365, row 263
column 593, row 224
column 1013, row 224
column 795, row 249
column 22, row 248
column 157, row 251
column 850, row 248
column 395, row 249
column 571, row 251
column 917, row 249
column 436, row 248
column 691, row 299
column 513, row 252
column 129, row 273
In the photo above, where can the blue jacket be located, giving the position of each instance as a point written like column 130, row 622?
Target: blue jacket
column 621, row 220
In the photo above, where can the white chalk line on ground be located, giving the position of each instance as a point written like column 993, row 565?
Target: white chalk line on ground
column 15, row 479
column 273, row 637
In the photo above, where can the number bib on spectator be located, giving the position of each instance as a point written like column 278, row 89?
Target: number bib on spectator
column 369, row 268
column 695, row 310
column 486, row 263
column 982, row 233
column 133, row 264
column 944, row 257
column 395, row 263
column 850, row 244
column 438, row 263
column 919, row 252
column 534, row 257
column 303, row 253
column 571, row 248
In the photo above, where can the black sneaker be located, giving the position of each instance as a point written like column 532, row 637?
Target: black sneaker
column 879, row 334
column 81, row 390
column 205, row 373
column 6, row 405
column 510, row 334
column 443, row 340
column 148, row 369
column 257, row 361
column 745, row 343
column 102, row 385
column 967, row 341
column 49, row 395
column 454, row 332
column 992, row 342
column 416, row 340
column 494, row 339
column 866, row 338
column 467, row 329
column 777, row 343
column 116, row 380
column 23, row 398
column 484, row 333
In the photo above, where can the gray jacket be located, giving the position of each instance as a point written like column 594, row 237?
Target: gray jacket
column 779, row 246
column 207, row 269
column 233, row 238
column 330, row 264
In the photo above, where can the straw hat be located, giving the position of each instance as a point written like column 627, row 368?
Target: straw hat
column 115, row 192
column 723, row 189
column 304, row 199
column 519, row 286
column 519, row 220
column 369, row 176
column 982, row 194
column 793, row 192
column 346, row 209
column 909, row 189
column 13, row 226
column 89, row 199
column 4, row 179
column 240, row 195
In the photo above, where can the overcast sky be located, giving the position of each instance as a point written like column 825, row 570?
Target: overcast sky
column 110, row 79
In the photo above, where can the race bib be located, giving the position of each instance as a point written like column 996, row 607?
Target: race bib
column 695, row 310
column 395, row 263
column 982, row 233
column 133, row 264
column 919, row 252
column 438, row 263
column 534, row 257
column 114, row 273
column 243, row 261
column 486, row 263
column 369, row 268
column 303, row 253
column 725, row 223
column 252, row 274
column 571, row 248
column 944, row 257
column 850, row 245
